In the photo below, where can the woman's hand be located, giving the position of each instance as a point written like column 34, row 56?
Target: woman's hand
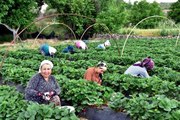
column 48, row 95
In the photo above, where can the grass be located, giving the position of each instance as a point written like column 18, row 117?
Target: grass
column 147, row 32
column 150, row 32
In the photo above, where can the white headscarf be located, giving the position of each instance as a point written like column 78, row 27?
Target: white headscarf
column 107, row 43
column 52, row 50
column 45, row 62
column 102, row 65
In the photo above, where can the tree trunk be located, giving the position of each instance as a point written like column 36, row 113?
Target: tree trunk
column 14, row 31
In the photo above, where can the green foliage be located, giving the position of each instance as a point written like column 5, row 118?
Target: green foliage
column 14, row 74
column 80, row 94
column 168, row 28
column 167, row 74
column 129, row 85
column 11, row 103
column 165, row 5
column 17, row 13
column 101, row 5
column 114, row 17
column 37, row 111
column 142, row 98
column 145, row 107
column 141, row 106
column 4, row 7
column 143, row 9
column 169, row 32
column 117, row 101
column 175, row 11
column 13, row 106
column 125, row 31
column 79, row 9
column 72, row 73
column 175, row 115
column 167, row 24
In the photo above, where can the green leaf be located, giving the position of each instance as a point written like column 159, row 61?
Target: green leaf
column 65, row 118
column 65, row 112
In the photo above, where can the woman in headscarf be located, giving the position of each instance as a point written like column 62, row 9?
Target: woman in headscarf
column 104, row 45
column 95, row 73
column 141, row 68
column 81, row 45
column 69, row 49
column 43, row 87
column 47, row 50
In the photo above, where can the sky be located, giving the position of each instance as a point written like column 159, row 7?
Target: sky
column 153, row 0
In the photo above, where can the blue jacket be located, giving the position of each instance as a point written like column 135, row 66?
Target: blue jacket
column 44, row 49
column 68, row 49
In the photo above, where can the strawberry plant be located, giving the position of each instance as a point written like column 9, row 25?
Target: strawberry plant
column 154, row 98
column 80, row 94
column 11, row 103
column 141, row 106
column 35, row 111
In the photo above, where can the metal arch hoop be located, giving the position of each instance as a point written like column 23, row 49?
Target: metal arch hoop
column 55, row 24
column 13, row 41
column 142, row 21
column 103, row 25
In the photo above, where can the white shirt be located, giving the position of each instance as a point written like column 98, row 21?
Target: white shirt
column 137, row 71
column 52, row 50
column 101, row 46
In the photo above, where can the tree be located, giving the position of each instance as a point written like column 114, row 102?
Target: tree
column 175, row 11
column 101, row 5
column 17, row 14
column 115, row 16
column 74, row 10
column 143, row 9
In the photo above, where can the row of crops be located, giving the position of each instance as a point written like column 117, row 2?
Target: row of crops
column 156, row 98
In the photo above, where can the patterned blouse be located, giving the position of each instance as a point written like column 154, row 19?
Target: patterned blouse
column 39, row 84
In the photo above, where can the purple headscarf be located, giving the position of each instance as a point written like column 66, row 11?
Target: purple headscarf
column 148, row 63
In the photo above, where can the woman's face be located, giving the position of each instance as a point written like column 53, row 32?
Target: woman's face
column 46, row 70
column 100, row 70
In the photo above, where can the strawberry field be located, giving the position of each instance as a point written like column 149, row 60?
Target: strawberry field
column 156, row 98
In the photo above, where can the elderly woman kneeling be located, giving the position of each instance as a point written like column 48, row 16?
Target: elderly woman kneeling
column 43, row 87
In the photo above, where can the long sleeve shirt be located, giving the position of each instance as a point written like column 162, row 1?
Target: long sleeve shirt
column 101, row 46
column 39, row 84
column 45, row 49
column 92, row 75
column 137, row 71
column 80, row 44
